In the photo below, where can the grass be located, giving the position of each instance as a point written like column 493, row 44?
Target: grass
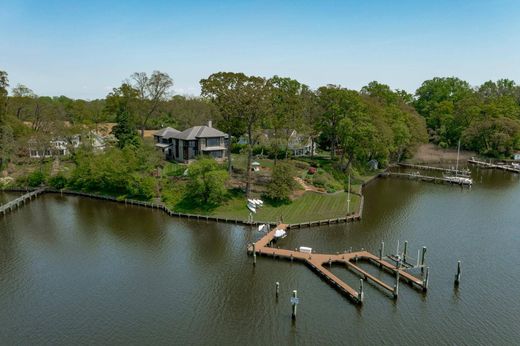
column 311, row 206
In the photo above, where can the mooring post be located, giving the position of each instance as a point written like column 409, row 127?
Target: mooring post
column 294, row 303
column 382, row 250
column 426, row 279
column 254, row 254
column 457, row 276
column 423, row 255
column 361, row 294
column 396, row 286
column 330, row 263
column 398, row 264
column 397, row 253
column 277, row 289
column 405, row 250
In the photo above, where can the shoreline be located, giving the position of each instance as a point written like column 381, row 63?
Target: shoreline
column 356, row 216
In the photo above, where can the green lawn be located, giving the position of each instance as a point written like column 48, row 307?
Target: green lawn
column 311, row 206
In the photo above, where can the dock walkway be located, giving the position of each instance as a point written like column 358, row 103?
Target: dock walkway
column 421, row 177
column 15, row 203
column 317, row 262
column 484, row 164
column 432, row 168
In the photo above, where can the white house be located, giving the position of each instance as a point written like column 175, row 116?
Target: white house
column 187, row 145
column 516, row 156
column 55, row 147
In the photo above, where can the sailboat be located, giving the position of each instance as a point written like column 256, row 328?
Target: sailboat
column 456, row 179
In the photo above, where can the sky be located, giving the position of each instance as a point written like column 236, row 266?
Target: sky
column 83, row 49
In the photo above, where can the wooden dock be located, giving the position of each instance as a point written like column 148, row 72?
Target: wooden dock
column 484, row 164
column 15, row 203
column 432, row 168
column 416, row 176
column 317, row 262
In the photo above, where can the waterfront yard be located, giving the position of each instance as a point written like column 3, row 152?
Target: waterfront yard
column 310, row 206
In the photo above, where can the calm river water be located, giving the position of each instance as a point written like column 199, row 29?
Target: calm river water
column 81, row 271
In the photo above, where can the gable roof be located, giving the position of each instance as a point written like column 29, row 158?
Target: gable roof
column 200, row 132
column 167, row 132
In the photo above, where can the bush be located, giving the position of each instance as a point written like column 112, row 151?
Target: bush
column 36, row 178
column 58, row 182
column 282, row 182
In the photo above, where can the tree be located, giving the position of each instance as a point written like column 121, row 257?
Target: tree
column 286, row 110
column 151, row 92
column 121, row 102
column 241, row 101
column 225, row 91
column 282, row 182
column 5, row 131
column 207, row 181
column 21, row 101
column 436, row 100
column 332, row 101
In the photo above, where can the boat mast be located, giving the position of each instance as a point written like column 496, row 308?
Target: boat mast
column 348, row 196
column 457, row 166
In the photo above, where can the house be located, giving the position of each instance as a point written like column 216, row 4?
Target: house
column 55, row 147
column 301, row 145
column 516, row 156
column 187, row 145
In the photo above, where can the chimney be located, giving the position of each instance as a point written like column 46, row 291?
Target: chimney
column 210, row 123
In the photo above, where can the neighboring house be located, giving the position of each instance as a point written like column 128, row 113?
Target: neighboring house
column 516, row 156
column 187, row 145
column 301, row 145
column 55, row 147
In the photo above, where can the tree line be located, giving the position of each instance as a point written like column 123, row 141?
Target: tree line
column 356, row 126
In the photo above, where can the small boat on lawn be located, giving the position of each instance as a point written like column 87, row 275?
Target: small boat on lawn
column 251, row 208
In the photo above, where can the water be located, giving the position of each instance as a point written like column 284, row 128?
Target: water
column 80, row 271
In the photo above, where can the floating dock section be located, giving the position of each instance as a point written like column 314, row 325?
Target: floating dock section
column 318, row 261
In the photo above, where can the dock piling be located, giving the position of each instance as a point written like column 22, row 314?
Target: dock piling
column 361, row 293
column 457, row 276
column 382, row 250
column 423, row 255
column 294, row 303
column 277, row 289
column 396, row 286
column 405, row 250
column 254, row 254
column 426, row 279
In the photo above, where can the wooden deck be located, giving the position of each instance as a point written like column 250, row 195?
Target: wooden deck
column 317, row 262
column 432, row 168
column 15, row 203
column 484, row 164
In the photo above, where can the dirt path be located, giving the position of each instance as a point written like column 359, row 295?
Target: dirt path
column 308, row 187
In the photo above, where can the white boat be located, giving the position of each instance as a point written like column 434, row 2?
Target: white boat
column 305, row 249
column 251, row 208
column 280, row 234
column 516, row 165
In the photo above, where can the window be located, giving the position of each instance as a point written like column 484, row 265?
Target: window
column 216, row 154
column 213, row 142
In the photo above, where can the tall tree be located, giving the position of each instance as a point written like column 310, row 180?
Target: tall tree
column 5, row 133
column 121, row 102
column 151, row 91
column 286, row 109
column 225, row 90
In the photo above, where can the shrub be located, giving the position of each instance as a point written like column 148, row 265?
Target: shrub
column 58, row 181
column 36, row 178
column 282, row 182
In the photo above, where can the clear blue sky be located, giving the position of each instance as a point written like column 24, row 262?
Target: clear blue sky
column 82, row 49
